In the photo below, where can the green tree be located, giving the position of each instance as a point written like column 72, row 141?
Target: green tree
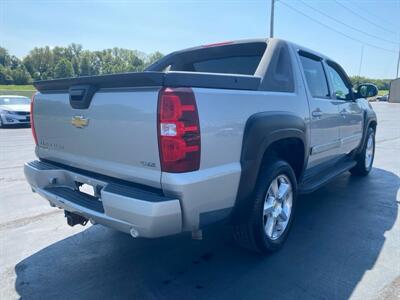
column 44, row 63
column 4, row 57
column 152, row 58
column 76, row 66
column 5, row 75
column 40, row 63
column 382, row 84
column 63, row 69
column 21, row 76
column 85, row 68
column 12, row 70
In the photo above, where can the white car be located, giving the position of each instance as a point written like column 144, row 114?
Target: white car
column 384, row 98
column 14, row 110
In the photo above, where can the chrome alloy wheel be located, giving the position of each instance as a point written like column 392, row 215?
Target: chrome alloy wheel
column 369, row 152
column 277, row 206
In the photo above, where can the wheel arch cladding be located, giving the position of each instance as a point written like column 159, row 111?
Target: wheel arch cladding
column 262, row 131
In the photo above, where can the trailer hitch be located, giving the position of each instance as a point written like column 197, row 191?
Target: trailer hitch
column 74, row 219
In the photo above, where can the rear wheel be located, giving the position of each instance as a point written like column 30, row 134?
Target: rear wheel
column 269, row 221
column 366, row 158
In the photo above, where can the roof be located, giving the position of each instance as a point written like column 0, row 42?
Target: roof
column 310, row 51
column 259, row 40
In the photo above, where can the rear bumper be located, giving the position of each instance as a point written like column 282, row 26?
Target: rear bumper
column 119, row 205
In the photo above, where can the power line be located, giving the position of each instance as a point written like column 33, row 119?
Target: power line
column 365, row 18
column 335, row 30
column 376, row 16
column 347, row 25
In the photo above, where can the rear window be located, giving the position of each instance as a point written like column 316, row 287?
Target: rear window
column 234, row 65
column 241, row 58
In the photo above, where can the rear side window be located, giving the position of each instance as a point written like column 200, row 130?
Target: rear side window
column 279, row 75
column 315, row 76
column 234, row 58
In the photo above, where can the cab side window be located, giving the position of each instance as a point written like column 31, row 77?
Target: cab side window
column 315, row 76
column 340, row 88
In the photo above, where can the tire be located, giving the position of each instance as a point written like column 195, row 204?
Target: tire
column 255, row 232
column 366, row 158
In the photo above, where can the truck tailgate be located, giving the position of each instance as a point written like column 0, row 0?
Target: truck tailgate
column 116, row 135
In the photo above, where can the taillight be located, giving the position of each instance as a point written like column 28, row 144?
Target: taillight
column 178, row 130
column 32, row 122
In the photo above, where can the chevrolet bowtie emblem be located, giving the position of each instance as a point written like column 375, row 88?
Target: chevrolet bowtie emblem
column 79, row 121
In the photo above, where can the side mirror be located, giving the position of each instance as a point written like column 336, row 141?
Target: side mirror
column 367, row 90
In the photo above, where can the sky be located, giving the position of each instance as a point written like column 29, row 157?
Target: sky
column 166, row 26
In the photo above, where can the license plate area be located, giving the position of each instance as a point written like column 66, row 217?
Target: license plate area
column 88, row 189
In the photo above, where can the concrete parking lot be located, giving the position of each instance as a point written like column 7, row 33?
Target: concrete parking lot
column 345, row 243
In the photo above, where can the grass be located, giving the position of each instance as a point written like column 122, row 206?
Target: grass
column 20, row 90
column 13, row 87
column 383, row 92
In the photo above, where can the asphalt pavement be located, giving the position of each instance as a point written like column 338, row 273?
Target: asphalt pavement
column 345, row 243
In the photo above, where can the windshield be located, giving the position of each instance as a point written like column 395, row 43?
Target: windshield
column 14, row 100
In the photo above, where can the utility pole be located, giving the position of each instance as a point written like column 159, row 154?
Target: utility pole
column 361, row 60
column 271, row 25
column 398, row 65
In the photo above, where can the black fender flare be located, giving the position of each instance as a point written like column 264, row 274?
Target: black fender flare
column 369, row 118
column 261, row 130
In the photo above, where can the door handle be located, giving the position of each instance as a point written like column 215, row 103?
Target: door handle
column 316, row 113
column 344, row 112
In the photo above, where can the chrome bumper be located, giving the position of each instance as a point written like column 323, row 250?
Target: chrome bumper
column 119, row 205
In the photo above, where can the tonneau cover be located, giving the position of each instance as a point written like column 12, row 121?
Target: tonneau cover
column 154, row 79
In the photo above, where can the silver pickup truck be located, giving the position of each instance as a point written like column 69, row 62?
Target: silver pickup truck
column 223, row 132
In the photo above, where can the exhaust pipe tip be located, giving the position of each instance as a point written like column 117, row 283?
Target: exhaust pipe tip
column 134, row 233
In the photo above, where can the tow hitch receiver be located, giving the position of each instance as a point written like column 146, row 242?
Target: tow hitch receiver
column 73, row 219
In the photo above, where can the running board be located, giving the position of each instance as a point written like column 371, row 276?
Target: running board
column 311, row 184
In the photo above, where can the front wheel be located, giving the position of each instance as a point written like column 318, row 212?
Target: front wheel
column 268, row 223
column 366, row 158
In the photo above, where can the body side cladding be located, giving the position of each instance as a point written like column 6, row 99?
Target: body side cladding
column 261, row 131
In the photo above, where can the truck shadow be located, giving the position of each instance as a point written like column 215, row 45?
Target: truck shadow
column 337, row 236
